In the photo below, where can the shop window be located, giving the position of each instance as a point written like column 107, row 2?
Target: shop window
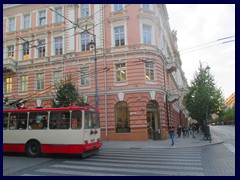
column 122, row 116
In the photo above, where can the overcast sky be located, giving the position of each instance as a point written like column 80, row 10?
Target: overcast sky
column 199, row 28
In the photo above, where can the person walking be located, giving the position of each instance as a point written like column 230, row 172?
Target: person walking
column 171, row 133
column 179, row 130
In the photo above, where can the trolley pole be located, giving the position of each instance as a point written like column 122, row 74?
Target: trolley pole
column 93, row 43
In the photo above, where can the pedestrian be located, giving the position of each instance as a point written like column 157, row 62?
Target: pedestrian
column 179, row 129
column 184, row 131
column 171, row 133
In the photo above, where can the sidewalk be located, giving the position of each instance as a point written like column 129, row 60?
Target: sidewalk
column 182, row 142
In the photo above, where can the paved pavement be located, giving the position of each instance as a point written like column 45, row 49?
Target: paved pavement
column 182, row 142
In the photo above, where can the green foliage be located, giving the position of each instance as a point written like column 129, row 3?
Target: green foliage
column 203, row 97
column 67, row 94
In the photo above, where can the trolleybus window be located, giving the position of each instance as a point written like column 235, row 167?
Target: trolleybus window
column 76, row 122
column 91, row 120
column 59, row 120
column 18, row 121
column 5, row 121
column 38, row 120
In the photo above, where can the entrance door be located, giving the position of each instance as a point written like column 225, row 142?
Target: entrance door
column 151, row 124
column 152, row 120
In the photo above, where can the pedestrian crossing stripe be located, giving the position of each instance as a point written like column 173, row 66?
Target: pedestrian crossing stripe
column 129, row 163
column 230, row 147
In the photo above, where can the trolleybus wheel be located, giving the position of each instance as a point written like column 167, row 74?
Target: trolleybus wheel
column 33, row 148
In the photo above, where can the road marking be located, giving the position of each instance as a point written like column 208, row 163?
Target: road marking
column 230, row 147
column 128, row 162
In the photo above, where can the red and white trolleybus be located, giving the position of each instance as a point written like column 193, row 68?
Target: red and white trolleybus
column 67, row 130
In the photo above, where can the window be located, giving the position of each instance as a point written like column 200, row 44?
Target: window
column 122, row 115
column 120, row 72
column 25, row 51
column 85, row 40
column 10, row 50
column 41, row 48
column 38, row 120
column 84, row 76
column 119, row 36
column 23, row 83
column 58, row 42
column 26, row 21
column 11, row 24
column 18, row 121
column 91, row 120
column 42, row 18
column 149, row 67
column 147, row 34
column 76, row 121
column 39, row 81
column 146, row 6
column 84, row 10
column 58, row 13
column 8, row 85
column 57, row 77
column 118, row 7
column 5, row 120
column 59, row 120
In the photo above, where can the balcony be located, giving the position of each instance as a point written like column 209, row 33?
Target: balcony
column 173, row 96
column 9, row 65
column 171, row 67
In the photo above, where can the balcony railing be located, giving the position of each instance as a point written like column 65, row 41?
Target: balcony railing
column 9, row 65
column 171, row 67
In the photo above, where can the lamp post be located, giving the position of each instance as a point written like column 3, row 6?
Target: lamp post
column 207, row 133
column 93, row 45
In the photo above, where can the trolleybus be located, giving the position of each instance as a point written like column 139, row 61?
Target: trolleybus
column 66, row 130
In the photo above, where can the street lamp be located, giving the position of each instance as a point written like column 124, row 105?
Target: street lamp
column 207, row 133
column 93, row 45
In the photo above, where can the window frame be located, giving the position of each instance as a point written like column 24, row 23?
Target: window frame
column 40, row 17
column 24, row 21
column 85, row 39
column 150, row 71
column 85, row 10
column 41, row 48
column 8, row 85
column 56, row 79
column 147, row 35
column 23, row 83
column 57, row 42
column 57, row 17
column 118, row 7
column 11, row 24
column 118, row 33
column 10, row 50
column 85, row 72
column 39, row 81
column 121, row 71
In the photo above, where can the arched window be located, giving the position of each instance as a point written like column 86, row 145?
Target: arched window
column 122, row 117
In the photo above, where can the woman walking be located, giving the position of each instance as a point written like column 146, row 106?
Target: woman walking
column 171, row 133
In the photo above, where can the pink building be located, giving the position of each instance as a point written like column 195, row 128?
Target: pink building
column 139, row 77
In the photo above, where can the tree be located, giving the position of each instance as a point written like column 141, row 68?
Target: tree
column 203, row 97
column 67, row 94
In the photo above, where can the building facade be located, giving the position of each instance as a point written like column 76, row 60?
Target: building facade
column 140, row 81
column 230, row 101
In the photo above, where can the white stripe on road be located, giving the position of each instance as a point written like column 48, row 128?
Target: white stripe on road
column 230, row 147
column 145, row 171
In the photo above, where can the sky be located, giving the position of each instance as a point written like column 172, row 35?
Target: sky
column 200, row 32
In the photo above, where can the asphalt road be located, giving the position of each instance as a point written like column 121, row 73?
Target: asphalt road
column 212, row 160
